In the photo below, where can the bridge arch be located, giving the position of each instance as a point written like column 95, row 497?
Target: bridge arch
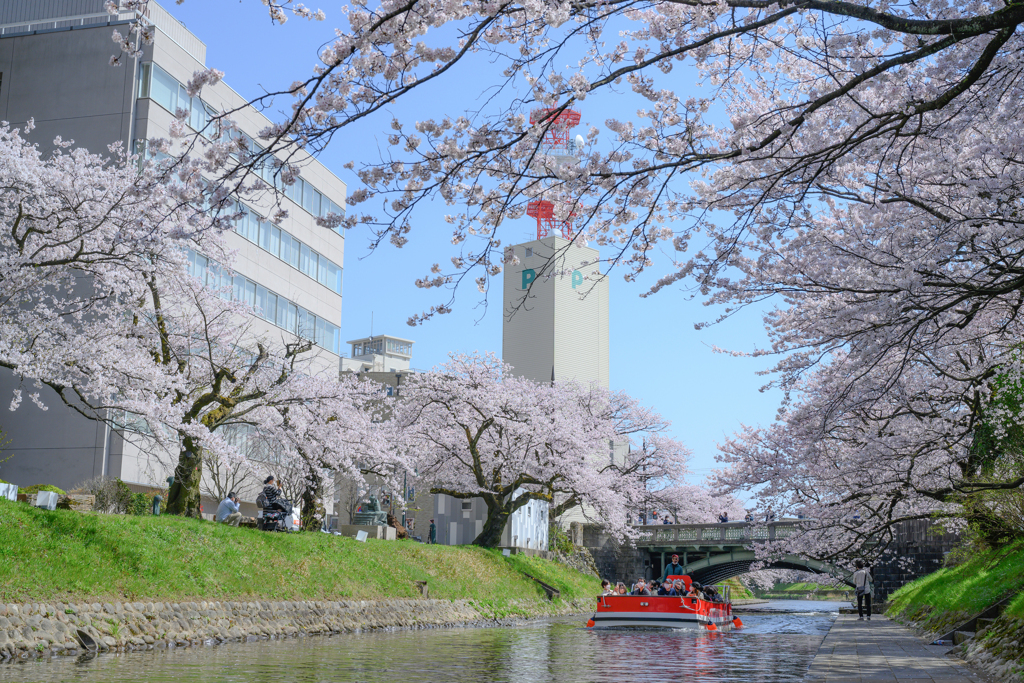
column 719, row 567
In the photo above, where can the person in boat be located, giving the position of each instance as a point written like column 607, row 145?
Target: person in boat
column 680, row 587
column 667, row 588
column 653, row 585
column 620, row 589
column 674, row 569
column 640, row 588
column 606, row 587
column 695, row 591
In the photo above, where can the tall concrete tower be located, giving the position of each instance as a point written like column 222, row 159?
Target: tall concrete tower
column 556, row 313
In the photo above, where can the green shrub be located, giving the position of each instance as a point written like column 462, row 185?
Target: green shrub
column 42, row 487
column 559, row 540
column 139, row 504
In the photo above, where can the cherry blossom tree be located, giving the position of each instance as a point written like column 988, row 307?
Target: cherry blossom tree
column 98, row 305
column 643, row 460
column 857, row 165
column 478, row 431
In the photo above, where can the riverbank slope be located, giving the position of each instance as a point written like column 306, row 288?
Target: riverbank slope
column 69, row 556
column 135, row 582
column 944, row 599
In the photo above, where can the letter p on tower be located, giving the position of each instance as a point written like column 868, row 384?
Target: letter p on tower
column 529, row 275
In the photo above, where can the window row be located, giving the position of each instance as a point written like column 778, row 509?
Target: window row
column 268, row 305
column 159, row 86
column 278, row 242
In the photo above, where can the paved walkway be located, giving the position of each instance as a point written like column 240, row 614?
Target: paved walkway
column 881, row 650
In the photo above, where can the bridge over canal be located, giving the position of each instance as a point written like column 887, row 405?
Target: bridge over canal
column 711, row 553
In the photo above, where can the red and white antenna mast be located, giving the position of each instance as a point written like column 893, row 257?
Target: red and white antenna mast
column 557, row 143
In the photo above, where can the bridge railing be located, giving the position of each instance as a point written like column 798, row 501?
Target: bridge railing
column 731, row 533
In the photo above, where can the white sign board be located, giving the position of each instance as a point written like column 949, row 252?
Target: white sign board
column 361, row 536
column 9, row 491
column 46, row 500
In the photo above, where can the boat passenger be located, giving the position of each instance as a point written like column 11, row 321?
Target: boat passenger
column 653, row 585
column 606, row 587
column 667, row 588
column 679, row 587
column 673, row 569
column 620, row 589
column 640, row 588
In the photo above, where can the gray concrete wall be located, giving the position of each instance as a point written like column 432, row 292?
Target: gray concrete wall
column 57, row 446
column 457, row 524
column 62, row 80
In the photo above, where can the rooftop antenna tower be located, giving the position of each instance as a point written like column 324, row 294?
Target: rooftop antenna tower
column 557, row 143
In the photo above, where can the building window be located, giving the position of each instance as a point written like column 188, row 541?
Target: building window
column 529, row 252
column 467, row 505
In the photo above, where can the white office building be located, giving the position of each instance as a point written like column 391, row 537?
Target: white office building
column 54, row 64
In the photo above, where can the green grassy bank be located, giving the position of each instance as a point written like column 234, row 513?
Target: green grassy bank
column 944, row 598
column 68, row 556
column 799, row 591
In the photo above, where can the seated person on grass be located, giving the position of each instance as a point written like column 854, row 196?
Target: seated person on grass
column 227, row 511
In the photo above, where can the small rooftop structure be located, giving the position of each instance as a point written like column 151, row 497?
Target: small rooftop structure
column 378, row 353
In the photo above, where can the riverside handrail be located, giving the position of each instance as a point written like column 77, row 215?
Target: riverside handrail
column 734, row 533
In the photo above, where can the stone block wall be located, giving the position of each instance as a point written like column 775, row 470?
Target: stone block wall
column 614, row 561
column 919, row 547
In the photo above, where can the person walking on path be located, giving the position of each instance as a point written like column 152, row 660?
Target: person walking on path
column 432, row 534
column 862, row 583
column 227, row 511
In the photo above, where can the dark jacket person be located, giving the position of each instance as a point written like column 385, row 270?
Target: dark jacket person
column 674, row 569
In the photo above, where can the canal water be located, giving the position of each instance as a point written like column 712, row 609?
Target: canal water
column 776, row 644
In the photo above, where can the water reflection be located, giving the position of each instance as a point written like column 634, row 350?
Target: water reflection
column 773, row 647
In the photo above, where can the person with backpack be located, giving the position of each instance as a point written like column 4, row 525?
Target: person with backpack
column 862, row 584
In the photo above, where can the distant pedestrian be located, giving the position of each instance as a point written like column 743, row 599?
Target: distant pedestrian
column 432, row 535
column 769, row 516
column 749, row 518
column 723, row 518
column 862, row 584
column 227, row 511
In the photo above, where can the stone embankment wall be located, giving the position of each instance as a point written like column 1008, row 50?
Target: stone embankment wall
column 998, row 650
column 613, row 560
column 42, row 630
column 918, row 549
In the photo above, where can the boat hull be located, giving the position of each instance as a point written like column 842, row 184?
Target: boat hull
column 637, row 611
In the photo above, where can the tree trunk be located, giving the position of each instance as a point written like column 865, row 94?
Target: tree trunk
column 497, row 518
column 183, row 497
column 313, row 510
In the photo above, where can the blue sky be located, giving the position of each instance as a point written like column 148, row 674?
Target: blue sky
column 656, row 355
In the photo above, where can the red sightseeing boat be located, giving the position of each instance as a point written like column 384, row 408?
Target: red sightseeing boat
column 663, row 611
